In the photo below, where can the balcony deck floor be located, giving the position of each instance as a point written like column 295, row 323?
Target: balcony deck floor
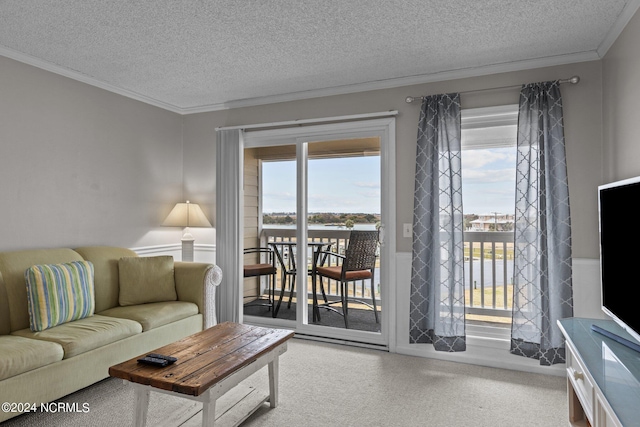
column 359, row 318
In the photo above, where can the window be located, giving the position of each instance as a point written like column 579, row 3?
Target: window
column 488, row 192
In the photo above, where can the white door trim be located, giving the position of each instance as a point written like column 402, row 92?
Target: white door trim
column 380, row 127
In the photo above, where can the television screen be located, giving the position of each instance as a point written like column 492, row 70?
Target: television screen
column 620, row 252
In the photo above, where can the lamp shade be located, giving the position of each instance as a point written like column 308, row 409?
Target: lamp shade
column 186, row 215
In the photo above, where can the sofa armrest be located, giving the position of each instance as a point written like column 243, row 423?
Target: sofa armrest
column 196, row 282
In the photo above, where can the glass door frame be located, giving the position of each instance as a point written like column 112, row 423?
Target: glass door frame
column 384, row 128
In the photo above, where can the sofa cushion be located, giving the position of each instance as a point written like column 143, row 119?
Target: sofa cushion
column 12, row 267
column 5, row 320
column 105, row 269
column 86, row 334
column 146, row 279
column 20, row 355
column 59, row 293
column 154, row 314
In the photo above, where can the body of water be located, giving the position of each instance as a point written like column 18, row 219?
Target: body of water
column 488, row 276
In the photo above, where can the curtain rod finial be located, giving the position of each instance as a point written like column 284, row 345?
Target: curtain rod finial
column 409, row 99
column 574, row 80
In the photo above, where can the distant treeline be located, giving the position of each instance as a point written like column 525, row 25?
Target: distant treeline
column 467, row 220
column 321, row 218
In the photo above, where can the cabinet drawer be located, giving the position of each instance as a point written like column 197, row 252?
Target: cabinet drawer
column 581, row 383
column 604, row 414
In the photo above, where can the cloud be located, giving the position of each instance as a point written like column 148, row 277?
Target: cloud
column 374, row 193
column 284, row 195
column 474, row 159
column 342, row 203
column 371, row 184
column 489, row 176
column 279, row 202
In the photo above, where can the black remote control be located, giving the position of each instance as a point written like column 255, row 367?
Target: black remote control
column 169, row 359
column 153, row 361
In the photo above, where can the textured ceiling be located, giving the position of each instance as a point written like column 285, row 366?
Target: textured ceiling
column 200, row 55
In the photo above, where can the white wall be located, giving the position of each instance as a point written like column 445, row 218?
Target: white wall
column 583, row 128
column 79, row 165
column 621, row 68
column 83, row 166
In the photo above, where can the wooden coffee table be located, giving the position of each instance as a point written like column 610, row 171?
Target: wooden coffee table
column 210, row 363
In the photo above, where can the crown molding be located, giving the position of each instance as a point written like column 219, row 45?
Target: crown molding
column 402, row 81
column 621, row 22
column 75, row 75
column 316, row 93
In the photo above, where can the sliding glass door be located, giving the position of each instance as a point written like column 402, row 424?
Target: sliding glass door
column 343, row 195
column 305, row 190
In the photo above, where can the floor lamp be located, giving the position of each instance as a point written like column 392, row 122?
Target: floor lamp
column 187, row 215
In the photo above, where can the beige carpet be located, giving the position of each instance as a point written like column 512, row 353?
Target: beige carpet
column 332, row 385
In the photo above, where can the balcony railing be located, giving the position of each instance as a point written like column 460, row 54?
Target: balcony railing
column 488, row 269
column 488, row 273
column 338, row 240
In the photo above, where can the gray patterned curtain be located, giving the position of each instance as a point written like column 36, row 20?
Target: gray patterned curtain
column 542, row 274
column 437, row 279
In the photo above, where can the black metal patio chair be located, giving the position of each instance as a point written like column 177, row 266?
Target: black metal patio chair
column 266, row 268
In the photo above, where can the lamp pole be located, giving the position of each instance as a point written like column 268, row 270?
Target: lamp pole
column 495, row 221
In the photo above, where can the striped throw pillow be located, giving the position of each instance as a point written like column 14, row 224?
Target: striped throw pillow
column 59, row 293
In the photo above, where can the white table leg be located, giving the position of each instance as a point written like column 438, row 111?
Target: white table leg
column 273, row 381
column 209, row 397
column 209, row 411
column 142, row 405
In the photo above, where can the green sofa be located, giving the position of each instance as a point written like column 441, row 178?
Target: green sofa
column 37, row 367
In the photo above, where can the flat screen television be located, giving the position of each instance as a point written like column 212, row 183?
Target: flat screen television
column 620, row 252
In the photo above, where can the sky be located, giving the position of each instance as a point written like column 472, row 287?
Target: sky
column 341, row 185
column 489, row 180
column 352, row 185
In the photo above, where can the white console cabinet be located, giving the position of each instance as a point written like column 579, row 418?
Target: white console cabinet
column 603, row 376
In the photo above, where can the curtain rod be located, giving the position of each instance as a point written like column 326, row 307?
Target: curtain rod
column 292, row 123
column 573, row 80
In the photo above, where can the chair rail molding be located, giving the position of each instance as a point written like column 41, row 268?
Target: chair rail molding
column 201, row 252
